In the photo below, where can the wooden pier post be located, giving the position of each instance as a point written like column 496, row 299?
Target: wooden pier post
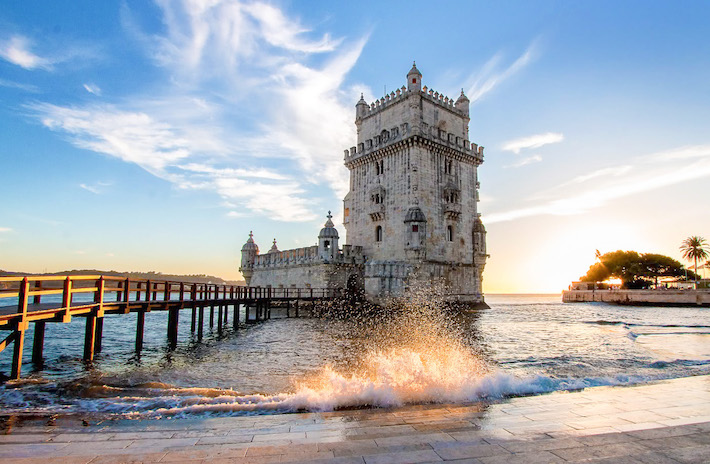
column 38, row 343
column 99, row 334
column 91, row 332
column 193, row 298
column 200, row 323
column 90, row 337
column 20, row 330
column 211, row 316
column 140, row 325
column 235, row 318
column 173, row 315
column 219, row 319
column 38, row 339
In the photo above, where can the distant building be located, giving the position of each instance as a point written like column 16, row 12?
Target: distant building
column 411, row 210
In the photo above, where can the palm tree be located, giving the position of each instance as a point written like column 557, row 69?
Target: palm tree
column 694, row 248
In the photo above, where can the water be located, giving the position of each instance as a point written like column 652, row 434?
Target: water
column 523, row 344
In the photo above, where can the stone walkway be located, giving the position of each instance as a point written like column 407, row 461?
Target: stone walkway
column 665, row 422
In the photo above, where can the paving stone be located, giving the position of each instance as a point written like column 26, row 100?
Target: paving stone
column 470, row 451
column 414, row 439
column 540, row 445
column 534, row 457
column 408, row 457
column 600, row 451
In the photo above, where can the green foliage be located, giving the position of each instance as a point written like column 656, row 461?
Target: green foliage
column 634, row 269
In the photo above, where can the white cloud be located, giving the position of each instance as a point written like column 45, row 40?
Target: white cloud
column 532, row 141
column 93, row 89
column 525, row 161
column 490, row 75
column 5, row 229
column 90, row 188
column 131, row 136
column 16, row 50
column 246, row 113
column 18, row 85
column 652, row 172
column 96, row 188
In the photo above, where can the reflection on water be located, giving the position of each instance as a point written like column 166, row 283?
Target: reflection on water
column 523, row 344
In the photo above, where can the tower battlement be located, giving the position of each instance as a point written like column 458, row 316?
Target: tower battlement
column 402, row 93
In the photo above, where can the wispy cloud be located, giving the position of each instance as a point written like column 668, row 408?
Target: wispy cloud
column 5, row 229
column 491, row 73
column 651, row 172
column 532, row 141
column 17, row 85
column 525, row 161
column 97, row 188
column 17, row 51
column 93, row 89
column 243, row 114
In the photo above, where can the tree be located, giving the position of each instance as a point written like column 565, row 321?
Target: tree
column 655, row 266
column 635, row 270
column 694, row 248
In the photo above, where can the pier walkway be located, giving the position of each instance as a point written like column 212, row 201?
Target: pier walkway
column 663, row 422
column 23, row 300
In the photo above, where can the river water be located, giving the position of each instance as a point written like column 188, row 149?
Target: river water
column 523, row 344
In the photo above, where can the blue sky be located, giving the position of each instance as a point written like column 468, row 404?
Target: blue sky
column 154, row 136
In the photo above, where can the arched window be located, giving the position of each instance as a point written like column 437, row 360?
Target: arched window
column 450, row 233
column 378, row 234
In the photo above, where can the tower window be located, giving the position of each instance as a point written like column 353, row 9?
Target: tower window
column 448, row 166
column 450, row 233
column 414, row 81
column 378, row 234
column 379, row 167
column 326, row 244
column 415, row 227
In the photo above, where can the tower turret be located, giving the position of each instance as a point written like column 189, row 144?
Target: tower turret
column 274, row 248
column 328, row 240
column 361, row 108
column 249, row 252
column 415, row 224
column 462, row 103
column 414, row 79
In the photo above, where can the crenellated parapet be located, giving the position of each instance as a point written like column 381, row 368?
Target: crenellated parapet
column 401, row 94
column 392, row 137
column 307, row 256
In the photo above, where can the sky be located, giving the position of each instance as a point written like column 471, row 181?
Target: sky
column 143, row 135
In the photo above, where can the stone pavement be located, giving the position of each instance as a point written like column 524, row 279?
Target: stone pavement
column 664, row 422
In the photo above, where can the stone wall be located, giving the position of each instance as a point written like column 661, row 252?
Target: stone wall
column 640, row 297
column 319, row 275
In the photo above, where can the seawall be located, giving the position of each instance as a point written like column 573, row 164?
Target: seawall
column 640, row 297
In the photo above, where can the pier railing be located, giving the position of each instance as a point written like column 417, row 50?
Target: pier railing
column 42, row 299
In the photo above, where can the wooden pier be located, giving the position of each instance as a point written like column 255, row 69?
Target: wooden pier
column 118, row 295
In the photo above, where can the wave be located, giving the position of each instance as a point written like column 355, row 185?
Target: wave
column 392, row 378
column 638, row 324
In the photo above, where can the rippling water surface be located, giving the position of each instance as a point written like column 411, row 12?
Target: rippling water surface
column 523, row 344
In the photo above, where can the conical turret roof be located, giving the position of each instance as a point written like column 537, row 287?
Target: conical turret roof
column 414, row 70
column 250, row 245
column 329, row 231
column 274, row 248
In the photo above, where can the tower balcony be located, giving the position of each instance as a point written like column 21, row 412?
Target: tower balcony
column 377, row 211
column 452, row 210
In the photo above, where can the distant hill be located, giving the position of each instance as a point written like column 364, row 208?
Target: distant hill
column 193, row 278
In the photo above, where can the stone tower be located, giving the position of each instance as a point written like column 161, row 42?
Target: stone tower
column 249, row 252
column 412, row 202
